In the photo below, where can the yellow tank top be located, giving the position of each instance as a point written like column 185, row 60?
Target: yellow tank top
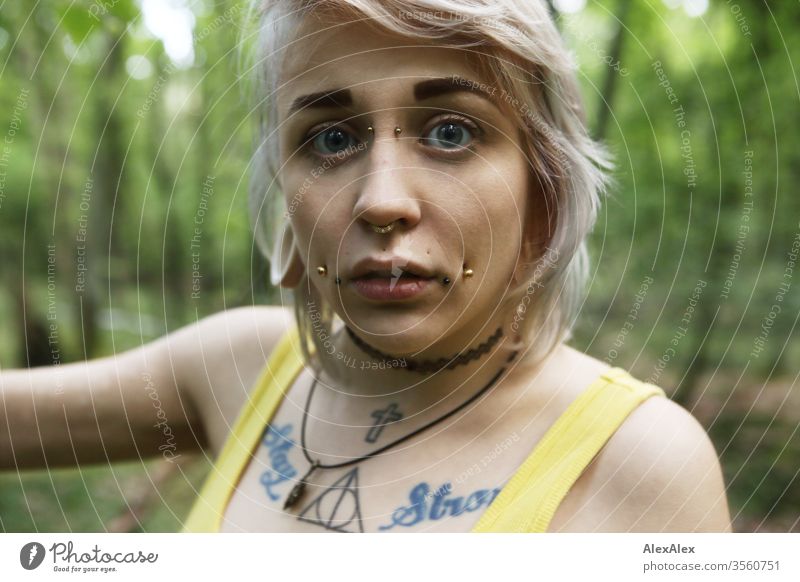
column 526, row 503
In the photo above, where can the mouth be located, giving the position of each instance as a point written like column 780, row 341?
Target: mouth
column 396, row 275
column 383, row 279
column 381, row 286
column 382, row 289
column 390, row 266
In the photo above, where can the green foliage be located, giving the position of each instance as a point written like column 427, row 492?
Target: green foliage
column 108, row 165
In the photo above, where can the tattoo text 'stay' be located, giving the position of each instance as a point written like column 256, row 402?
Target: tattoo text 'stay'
column 278, row 442
column 425, row 504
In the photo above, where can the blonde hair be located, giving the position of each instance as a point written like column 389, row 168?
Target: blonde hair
column 517, row 43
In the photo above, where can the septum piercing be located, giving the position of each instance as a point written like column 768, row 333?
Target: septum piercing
column 384, row 229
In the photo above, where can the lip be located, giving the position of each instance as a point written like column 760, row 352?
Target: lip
column 389, row 288
column 389, row 267
column 390, row 279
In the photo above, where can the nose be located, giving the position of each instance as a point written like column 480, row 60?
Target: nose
column 387, row 191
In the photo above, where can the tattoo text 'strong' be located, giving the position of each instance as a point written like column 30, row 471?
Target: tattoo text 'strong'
column 426, row 504
column 278, row 443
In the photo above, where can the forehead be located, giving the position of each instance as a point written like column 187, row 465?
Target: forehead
column 362, row 57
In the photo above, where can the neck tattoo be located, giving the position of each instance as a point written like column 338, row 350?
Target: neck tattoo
column 382, row 418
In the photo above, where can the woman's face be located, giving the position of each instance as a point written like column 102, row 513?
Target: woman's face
column 454, row 181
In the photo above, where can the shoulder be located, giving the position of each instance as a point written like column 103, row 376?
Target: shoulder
column 245, row 332
column 663, row 474
column 217, row 360
column 658, row 472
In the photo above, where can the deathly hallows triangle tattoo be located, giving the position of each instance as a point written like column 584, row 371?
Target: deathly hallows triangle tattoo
column 337, row 508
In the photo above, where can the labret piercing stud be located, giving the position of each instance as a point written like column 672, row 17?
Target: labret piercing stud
column 467, row 274
column 323, row 272
column 397, row 131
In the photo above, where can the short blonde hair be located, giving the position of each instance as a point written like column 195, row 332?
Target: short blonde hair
column 518, row 45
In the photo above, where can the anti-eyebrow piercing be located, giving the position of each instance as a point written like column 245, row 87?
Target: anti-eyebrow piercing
column 468, row 272
column 322, row 271
column 446, row 281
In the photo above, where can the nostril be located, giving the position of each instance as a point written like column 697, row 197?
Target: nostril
column 385, row 228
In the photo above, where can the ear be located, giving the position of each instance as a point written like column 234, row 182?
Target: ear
column 286, row 265
column 538, row 228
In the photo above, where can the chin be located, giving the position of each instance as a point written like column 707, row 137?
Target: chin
column 398, row 334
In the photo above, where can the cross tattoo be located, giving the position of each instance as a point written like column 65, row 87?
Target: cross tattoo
column 382, row 418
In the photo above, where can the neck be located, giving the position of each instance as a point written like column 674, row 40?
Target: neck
column 367, row 378
column 350, row 413
column 428, row 366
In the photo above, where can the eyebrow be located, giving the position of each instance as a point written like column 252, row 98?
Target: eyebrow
column 323, row 100
column 423, row 90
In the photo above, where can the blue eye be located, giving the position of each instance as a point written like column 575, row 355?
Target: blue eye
column 333, row 140
column 449, row 135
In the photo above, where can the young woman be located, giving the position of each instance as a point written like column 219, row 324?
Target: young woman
column 424, row 187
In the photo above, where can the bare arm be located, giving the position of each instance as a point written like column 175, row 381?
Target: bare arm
column 120, row 407
column 170, row 397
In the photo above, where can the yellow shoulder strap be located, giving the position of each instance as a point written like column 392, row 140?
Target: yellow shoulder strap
column 277, row 376
column 530, row 499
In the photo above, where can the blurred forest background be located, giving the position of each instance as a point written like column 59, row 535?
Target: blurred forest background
column 124, row 122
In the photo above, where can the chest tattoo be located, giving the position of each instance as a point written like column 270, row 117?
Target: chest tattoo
column 337, row 508
column 278, row 443
column 426, row 504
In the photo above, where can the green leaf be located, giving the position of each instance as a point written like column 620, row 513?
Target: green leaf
column 77, row 21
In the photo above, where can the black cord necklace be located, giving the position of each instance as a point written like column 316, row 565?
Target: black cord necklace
column 297, row 491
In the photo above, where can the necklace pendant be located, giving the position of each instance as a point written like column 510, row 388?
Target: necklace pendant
column 297, row 491
column 295, row 494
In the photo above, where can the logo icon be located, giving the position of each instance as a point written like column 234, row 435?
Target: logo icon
column 31, row 555
column 397, row 269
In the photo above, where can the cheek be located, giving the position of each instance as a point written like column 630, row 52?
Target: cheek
column 318, row 216
column 504, row 196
